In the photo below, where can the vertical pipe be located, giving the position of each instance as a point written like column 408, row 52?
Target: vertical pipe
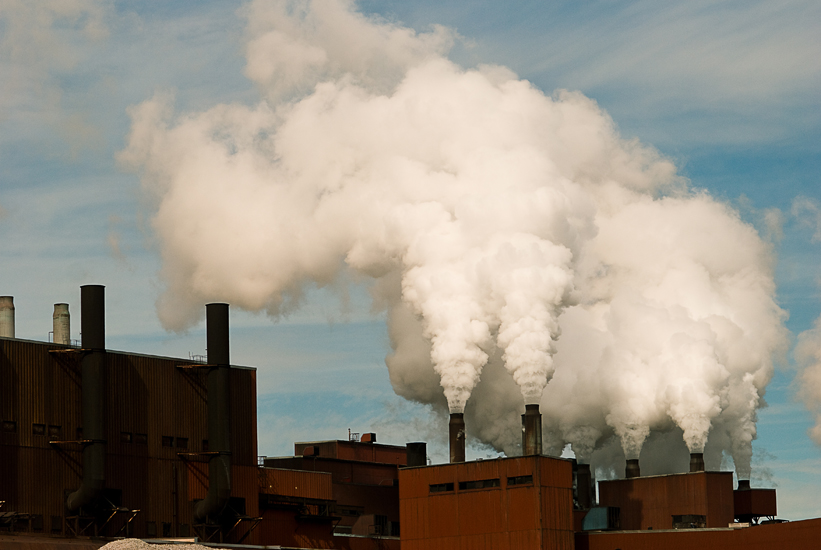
column 219, row 421
column 584, row 486
column 62, row 324
column 417, row 454
column 7, row 316
column 696, row 462
column 456, row 429
column 92, row 323
column 632, row 468
column 531, row 431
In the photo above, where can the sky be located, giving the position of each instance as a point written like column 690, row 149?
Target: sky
column 729, row 91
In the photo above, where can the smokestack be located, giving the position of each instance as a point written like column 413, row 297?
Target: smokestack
column 743, row 485
column 632, row 468
column 92, row 326
column 219, row 421
column 584, row 486
column 417, row 454
column 696, row 462
column 531, row 431
column 457, row 437
column 62, row 324
column 7, row 316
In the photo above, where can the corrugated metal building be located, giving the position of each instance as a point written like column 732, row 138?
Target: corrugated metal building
column 155, row 418
column 511, row 503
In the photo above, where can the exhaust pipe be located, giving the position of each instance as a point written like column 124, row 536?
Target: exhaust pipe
column 417, row 454
column 92, row 325
column 584, row 486
column 696, row 462
column 743, row 485
column 219, row 420
column 456, row 430
column 632, row 469
column 62, row 324
column 531, row 431
column 7, row 316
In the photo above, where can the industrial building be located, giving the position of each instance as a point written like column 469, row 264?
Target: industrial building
column 98, row 444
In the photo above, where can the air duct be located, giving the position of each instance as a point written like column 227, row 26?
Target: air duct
column 92, row 326
column 62, row 324
column 743, row 485
column 219, row 420
column 632, row 468
column 531, row 431
column 456, row 430
column 696, row 462
column 417, row 454
column 7, row 316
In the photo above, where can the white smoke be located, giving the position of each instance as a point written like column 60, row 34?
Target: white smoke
column 492, row 218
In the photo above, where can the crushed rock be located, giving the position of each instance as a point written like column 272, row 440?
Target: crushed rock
column 137, row 544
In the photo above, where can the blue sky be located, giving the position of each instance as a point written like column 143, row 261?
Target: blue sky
column 728, row 90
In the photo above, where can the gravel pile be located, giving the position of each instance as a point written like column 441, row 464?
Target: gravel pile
column 137, row 544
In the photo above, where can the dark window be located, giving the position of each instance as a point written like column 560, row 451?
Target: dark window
column 125, row 437
column 205, row 445
column 441, row 487
column 182, row 442
column 9, row 426
column 689, row 521
column 184, row 532
column 37, row 522
column 166, row 529
column 520, row 480
column 56, row 524
column 151, row 528
column 167, row 441
column 478, row 484
column 141, row 439
column 38, row 429
column 79, row 434
column 55, row 432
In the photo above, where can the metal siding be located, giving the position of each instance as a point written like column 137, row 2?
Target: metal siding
column 296, row 483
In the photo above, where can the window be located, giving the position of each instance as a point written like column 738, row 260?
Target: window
column 478, row 484
column 520, row 480
column 38, row 429
column 55, row 432
column 205, row 445
column 141, row 439
column 182, row 442
column 151, row 528
column 37, row 522
column 125, row 437
column 167, row 441
column 56, row 524
column 79, row 434
column 689, row 521
column 441, row 487
column 9, row 426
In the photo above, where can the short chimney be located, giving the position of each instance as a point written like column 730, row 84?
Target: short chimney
column 417, row 454
column 632, row 469
column 7, row 316
column 62, row 324
column 696, row 462
column 456, row 430
column 743, row 485
column 531, row 430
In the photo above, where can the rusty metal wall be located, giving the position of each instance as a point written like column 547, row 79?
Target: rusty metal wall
column 296, row 483
column 795, row 534
column 147, row 399
column 535, row 514
column 652, row 501
column 755, row 502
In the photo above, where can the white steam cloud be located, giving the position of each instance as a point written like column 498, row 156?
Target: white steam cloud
column 492, row 218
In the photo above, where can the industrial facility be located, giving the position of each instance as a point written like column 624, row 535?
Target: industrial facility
column 99, row 444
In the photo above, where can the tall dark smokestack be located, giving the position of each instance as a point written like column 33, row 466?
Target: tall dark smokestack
column 632, row 468
column 696, row 462
column 456, row 430
column 584, row 486
column 219, row 421
column 417, row 454
column 92, row 326
column 531, row 431
column 743, row 485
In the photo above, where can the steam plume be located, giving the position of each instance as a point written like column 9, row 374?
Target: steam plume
column 492, row 218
